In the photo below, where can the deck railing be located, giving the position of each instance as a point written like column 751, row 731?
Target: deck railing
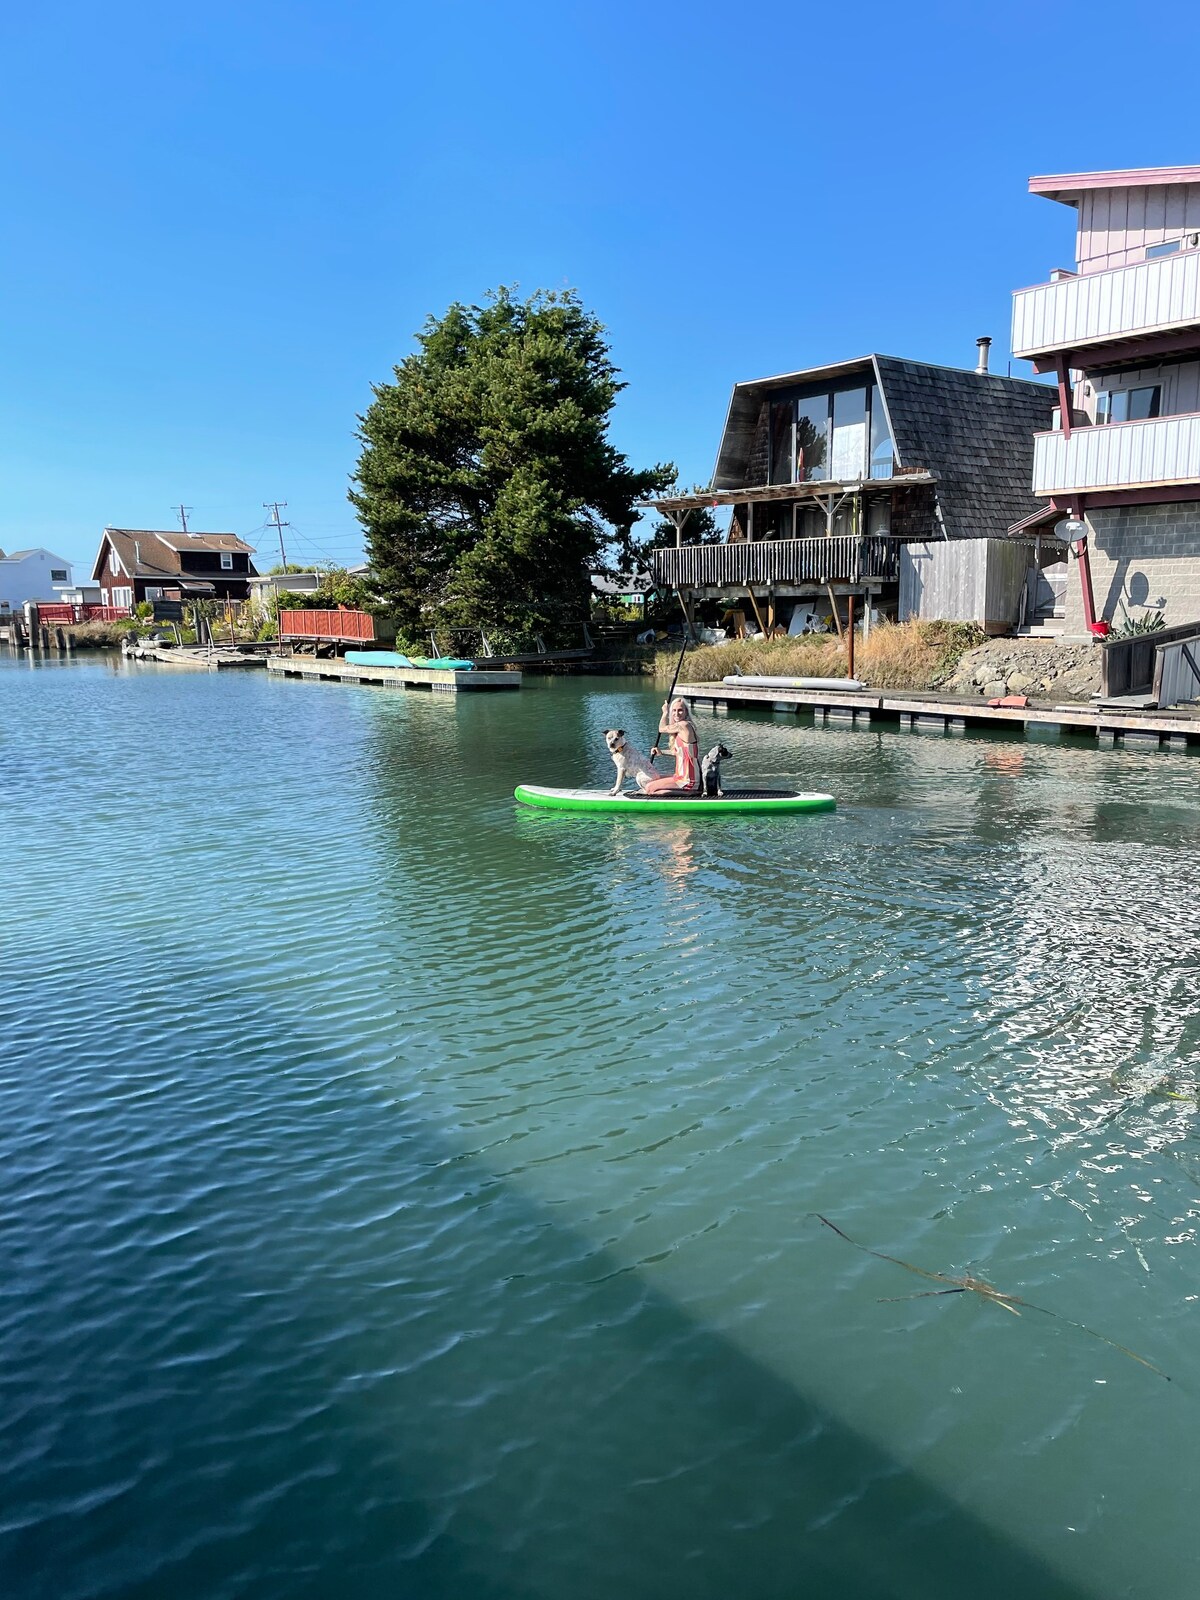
column 1099, row 307
column 1119, row 455
column 843, row 558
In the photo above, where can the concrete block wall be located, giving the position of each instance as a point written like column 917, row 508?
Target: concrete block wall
column 1141, row 555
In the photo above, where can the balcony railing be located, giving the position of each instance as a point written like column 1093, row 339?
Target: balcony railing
column 1098, row 307
column 1119, row 455
column 844, row 558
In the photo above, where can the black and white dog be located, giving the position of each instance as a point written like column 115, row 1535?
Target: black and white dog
column 710, row 769
column 628, row 760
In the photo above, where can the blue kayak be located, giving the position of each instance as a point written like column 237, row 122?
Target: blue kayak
column 393, row 658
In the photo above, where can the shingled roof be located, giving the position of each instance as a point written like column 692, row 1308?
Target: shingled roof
column 974, row 432
column 152, row 553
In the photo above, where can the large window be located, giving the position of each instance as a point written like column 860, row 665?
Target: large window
column 849, row 454
column 839, row 433
column 782, row 444
column 812, row 437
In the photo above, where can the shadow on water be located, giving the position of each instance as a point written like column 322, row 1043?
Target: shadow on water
column 427, row 1385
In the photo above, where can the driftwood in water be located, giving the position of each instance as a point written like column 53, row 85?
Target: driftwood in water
column 986, row 1291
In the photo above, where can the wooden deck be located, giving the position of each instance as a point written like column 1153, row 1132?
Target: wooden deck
column 442, row 680
column 934, row 713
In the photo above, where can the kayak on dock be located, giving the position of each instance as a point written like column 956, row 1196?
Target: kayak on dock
column 691, row 805
column 393, row 658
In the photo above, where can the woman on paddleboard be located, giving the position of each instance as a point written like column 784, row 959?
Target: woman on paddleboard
column 676, row 721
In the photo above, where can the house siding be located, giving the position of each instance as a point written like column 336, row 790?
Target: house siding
column 1118, row 225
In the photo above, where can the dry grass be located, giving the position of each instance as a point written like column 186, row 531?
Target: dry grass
column 98, row 635
column 906, row 655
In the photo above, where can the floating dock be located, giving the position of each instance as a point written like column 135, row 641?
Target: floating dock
column 1109, row 723
column 442, row 680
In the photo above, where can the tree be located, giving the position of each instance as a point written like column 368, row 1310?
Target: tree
column 699, row 527
column 487, row 484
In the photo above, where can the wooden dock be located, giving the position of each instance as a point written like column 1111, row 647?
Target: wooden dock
column 1135, row 726
column 207, row 658
column 442, row 680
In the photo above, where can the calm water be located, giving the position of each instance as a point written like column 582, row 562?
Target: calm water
column 406, row 1195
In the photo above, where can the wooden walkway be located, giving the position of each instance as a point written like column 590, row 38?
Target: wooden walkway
column 443, row 680
column 933, row 713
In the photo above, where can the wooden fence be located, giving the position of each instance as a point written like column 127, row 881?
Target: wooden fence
column 65, row 616
column 964, row 580
column 1128, row 666
column 358, row 626
column 1177, row 670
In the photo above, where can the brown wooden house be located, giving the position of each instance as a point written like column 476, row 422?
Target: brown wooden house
column 830, row 472
column 136, row 564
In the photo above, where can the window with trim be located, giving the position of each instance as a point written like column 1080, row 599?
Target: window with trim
column 1129, row 405
column 1168, row 249
column 122, row 597
column 113, row 564
column 226, row 561
column 58, row 574
column 153, row 594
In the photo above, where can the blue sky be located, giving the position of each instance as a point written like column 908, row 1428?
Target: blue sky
column 221, row 223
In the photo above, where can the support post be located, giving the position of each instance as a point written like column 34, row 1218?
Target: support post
column 850, row 636
column 1064, row 394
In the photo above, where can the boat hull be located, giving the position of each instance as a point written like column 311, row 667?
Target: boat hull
column 733, row 803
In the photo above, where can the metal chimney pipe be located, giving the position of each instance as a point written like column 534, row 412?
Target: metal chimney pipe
column 137, row 552
column 983, row 346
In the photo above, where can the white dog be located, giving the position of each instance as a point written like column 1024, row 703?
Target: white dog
column 628, row 760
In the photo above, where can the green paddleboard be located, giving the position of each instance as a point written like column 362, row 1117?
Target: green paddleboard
column 759, row 801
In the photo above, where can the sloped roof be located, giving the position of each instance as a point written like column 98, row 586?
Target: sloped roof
column 1068, row 186
column 37, row 550
column 152, row 553
column 974, row 432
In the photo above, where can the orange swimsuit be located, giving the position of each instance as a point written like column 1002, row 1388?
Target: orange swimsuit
column 686, row 775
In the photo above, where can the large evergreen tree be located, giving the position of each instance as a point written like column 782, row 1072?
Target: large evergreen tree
column 487, row 484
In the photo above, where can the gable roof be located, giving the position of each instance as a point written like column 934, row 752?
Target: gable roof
column 37, row 550
column 972, row 430
column 153, row 553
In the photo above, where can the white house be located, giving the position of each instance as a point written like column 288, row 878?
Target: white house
column 272, row 584
column 32, row 575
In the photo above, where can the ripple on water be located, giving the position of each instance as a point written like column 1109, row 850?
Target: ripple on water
column 409, row 1192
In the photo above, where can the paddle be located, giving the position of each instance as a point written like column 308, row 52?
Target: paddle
column 671, row 690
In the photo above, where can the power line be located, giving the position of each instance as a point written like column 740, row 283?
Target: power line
column 183, row 511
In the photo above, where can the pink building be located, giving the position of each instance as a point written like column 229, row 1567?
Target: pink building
column 1120, row 331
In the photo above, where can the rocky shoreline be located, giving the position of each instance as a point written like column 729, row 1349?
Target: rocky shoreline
column 1035, row 667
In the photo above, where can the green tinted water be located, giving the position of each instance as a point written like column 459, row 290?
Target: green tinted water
column 410, row 1194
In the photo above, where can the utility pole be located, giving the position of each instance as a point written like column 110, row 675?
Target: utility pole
column 274, row 507
column 183, row 511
